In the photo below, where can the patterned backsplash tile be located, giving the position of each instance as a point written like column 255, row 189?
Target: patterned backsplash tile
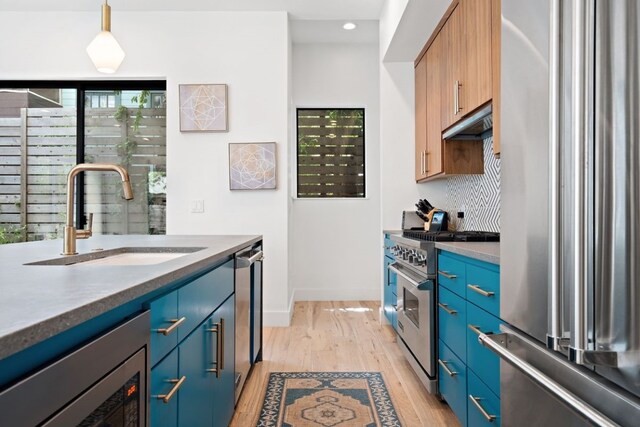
column 478, row 196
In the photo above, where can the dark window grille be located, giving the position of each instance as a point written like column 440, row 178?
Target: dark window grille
column 330, row 152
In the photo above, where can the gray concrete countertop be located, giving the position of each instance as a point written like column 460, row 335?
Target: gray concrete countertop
column 40, row 301
column 483, row 251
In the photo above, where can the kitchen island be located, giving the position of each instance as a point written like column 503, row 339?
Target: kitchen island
column 49, row 311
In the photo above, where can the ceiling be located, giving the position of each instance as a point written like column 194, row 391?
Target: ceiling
column 313, row 21
column 298, row 9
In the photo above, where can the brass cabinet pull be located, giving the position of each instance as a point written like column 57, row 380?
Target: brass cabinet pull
column 476, row 402
column 478, row 289
column 221, row 344
column 176, row 323
column 475, row 329
column 447, row 275
column 177, row 383
column 217, row 329
column 446, row 308
column 446, row 368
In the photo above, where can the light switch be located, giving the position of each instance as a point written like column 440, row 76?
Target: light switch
column 197, row 206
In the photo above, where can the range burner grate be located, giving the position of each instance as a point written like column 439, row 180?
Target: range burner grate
column 452, row 236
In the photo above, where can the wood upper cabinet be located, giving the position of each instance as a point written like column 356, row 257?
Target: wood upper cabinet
column 451, row 39
column 476, row 64
column 433, row 154
column 421, row 117
column 457, row 73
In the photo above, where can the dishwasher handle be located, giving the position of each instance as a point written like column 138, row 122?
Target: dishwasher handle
column 247, row 261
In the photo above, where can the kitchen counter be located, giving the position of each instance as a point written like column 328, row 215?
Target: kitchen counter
column 483, row 251
column 40, row 301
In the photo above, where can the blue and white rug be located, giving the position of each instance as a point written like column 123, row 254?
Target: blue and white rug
column 327, row 399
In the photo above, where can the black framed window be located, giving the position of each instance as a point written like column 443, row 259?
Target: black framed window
column 48, row 126
column 330, row 153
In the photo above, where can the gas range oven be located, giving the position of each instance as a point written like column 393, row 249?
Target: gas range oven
column 416, row 271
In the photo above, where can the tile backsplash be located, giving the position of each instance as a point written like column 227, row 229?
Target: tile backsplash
column 478, row 196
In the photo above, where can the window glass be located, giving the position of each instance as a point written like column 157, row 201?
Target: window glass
column 38, row 147
column 330, row 153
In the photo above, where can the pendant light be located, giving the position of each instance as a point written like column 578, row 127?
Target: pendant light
column 104, row 50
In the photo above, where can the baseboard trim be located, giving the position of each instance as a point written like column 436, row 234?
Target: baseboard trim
column 279, row 318
column 337, row 294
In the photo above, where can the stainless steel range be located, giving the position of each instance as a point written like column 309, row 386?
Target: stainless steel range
column 416, row 271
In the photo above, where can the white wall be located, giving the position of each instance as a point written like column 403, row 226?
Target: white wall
column 248, row 51
column 335, row 243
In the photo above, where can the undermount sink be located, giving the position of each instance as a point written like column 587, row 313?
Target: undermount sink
column 122, row 256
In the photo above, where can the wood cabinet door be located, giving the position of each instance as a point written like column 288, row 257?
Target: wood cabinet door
column 476, row 57
column 433, row 153
column 421, row 117
column 452, row 36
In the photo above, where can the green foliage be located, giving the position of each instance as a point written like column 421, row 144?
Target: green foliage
column 12, row 234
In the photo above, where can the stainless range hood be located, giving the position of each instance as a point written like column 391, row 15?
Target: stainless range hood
column 477, row 126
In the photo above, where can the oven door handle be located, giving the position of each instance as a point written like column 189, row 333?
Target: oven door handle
column 422, row 284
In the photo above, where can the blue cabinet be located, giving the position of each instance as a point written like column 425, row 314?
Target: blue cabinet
column 200, row 366
column 468, row 304
column 390, row 293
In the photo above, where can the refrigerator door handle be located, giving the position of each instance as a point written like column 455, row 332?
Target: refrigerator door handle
column 498, row 344
column 581, row 21
column 555, row 339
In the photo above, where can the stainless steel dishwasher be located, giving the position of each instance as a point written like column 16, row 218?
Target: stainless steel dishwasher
column 248, row 322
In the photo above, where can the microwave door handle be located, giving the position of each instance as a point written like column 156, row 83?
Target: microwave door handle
column 497, row 344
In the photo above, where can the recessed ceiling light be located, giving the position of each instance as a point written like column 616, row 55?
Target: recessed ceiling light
column 349, row 26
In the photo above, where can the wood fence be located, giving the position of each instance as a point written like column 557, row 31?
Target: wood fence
column 38, row 149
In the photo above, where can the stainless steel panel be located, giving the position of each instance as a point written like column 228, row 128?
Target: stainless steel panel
column 533, row 377
column 617, row 231
column 243, row 322
column 419, row 336
column 524, row 174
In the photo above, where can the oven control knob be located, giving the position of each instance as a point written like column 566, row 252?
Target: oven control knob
column 411, row 259
column 421, row 260
column 405, row 254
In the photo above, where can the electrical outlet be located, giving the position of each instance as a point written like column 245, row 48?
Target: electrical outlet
column 197, row 206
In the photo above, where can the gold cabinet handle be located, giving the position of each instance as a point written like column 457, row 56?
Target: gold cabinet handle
column 447, row 275
column 478, row 289
column 446, row 308
column 476, row 402
column 176, row 323
column 446, row 368
column 476, row 329
column 177, row 383
column 426, row 169
column 218, row 329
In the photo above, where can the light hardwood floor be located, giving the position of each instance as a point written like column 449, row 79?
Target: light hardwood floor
column 341, row 336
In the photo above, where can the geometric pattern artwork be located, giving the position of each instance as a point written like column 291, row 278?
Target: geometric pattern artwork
column 478, row 196
column 203, row 108
column 327, row 399
column 252, row 166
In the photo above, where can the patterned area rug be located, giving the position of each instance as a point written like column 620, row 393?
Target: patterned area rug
column 327, row 399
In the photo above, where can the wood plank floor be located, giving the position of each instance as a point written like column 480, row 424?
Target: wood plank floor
column 341, row 336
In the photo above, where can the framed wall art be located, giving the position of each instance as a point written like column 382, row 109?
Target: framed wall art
column 203, row 108
column 252, row 166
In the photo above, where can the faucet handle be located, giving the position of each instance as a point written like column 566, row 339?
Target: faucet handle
column 88, row 231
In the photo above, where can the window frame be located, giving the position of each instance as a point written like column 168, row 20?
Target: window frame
column 83, row 86
column 364, row 151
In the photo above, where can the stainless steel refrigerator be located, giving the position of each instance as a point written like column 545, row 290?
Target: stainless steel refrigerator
column 570, row 232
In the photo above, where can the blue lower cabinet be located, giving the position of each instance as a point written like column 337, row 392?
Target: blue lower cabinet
column 482, row 361
column 390, row 293
column 452, row 382
column 483, row 407
column 224, row 391
column 452, row 312
column 164, row 337
column 164, row 378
